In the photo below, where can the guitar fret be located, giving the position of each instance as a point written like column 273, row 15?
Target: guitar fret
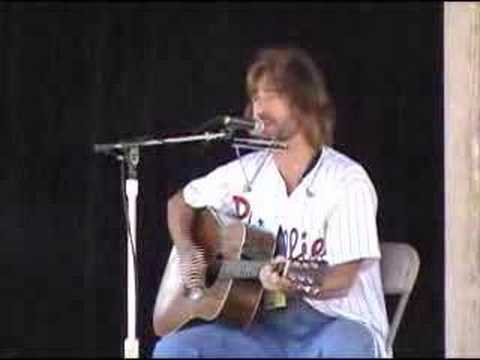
column 242, row 269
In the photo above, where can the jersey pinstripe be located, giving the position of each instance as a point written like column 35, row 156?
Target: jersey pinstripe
column 330, row 215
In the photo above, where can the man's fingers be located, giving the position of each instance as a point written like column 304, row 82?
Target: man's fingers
column 279, row 259
column 267, row 270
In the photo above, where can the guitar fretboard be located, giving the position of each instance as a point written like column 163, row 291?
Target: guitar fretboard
column 240, row 269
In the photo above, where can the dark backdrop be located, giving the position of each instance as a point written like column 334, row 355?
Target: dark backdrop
column 77, row 74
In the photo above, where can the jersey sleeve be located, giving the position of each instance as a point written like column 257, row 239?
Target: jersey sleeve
column 351, row 226
column 212, row 190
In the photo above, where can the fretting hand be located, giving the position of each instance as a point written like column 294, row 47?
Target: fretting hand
column 271, row 279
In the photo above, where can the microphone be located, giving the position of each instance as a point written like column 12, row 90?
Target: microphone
column 252, row 126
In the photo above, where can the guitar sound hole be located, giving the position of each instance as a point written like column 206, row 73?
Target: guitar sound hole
column 244, row 256
column 213, row 270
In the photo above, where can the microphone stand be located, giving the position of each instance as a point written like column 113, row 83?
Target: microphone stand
column 130, row 158
column 131, row 344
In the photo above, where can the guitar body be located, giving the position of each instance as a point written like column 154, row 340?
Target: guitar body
column 233, row 299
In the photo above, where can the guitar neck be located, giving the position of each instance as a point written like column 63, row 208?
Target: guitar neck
column 240, row 269
column 311, row 272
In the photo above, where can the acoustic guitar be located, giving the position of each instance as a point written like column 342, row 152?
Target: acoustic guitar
column 235, row 253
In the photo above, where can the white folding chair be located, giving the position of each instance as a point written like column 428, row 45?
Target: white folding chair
column 399, row 266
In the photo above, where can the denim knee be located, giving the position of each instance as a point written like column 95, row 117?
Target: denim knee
column 173, row 346
column 347, row 338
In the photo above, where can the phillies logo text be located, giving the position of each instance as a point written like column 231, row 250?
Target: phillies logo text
column 289, row 241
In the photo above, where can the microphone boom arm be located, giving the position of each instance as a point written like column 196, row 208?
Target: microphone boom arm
column 252, row 143
column 98, row 148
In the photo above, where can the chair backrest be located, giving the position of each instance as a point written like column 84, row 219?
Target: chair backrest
column 399, row 266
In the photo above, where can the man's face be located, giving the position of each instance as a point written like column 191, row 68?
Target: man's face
column 273, row 108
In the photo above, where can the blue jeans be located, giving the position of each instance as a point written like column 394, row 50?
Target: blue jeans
column 299, row 331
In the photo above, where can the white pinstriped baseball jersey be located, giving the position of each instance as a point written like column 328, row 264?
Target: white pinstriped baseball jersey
column 330, row 215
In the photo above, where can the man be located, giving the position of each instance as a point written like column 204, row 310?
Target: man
column 320, row 205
